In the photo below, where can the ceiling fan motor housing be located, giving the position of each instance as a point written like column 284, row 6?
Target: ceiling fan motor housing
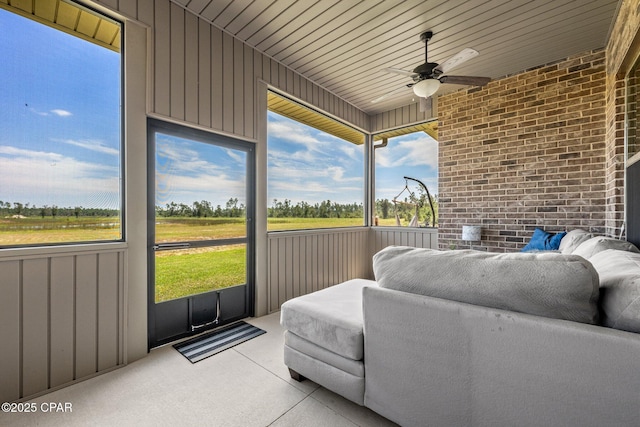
column 425, row 70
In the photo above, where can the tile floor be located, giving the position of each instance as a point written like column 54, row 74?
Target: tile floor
column 247, row 385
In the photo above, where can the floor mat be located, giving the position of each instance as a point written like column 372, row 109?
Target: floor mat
column 219, row 340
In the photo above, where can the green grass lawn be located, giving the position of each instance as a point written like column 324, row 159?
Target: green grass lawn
column 279, row 224
column 192, row 271
column 38, row 230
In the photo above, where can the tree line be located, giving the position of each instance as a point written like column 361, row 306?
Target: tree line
column 202, row 209
column 8, row 209
column 384, row 209
column 324, row 209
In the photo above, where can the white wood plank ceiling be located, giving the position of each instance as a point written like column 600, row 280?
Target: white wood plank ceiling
column 343, row 45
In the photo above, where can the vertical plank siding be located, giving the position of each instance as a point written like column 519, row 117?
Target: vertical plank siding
column 301, row 262
column 402, row 116
column 206, row 77
column 304, row 262
column 61, row 319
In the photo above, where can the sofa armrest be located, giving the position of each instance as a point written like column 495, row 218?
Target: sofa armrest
column 441, row 362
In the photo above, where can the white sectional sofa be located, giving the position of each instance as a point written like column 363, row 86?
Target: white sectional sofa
column 466, row 338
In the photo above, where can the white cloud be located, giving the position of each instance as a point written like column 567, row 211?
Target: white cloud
column 56, row 111
column 45, row 178
column 91, row 145
column 291, row 131
column 175, row 159
column 216, row 189
column 236, row 156
column 421, row 151
column 61, row 113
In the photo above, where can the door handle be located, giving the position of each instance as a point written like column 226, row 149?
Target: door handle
column 167, row 246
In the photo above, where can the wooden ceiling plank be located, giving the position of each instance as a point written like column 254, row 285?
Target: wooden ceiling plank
column 430, row 128
column 45, row 9
column 67, row 15
column 247, row 16
column 264, row 19
column 230, row 12
column 23, row 5
column 288, row 14
column 107, row 32
column 297, row 27
column 332, row 23
column 282, row 48
column 345, row 29
column 197, row 6
column 87, row 24
column 214, row 8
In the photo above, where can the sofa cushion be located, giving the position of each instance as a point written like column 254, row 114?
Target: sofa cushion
column 596, row 244
column 619, row 273
column 330, row 318
column 546, row 284
column 573, row 239
column 543, row 241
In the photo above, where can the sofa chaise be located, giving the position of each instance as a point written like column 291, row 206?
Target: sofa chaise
column 468, row 338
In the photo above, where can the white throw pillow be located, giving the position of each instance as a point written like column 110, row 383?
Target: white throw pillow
column 573, row 239
column 590, row 247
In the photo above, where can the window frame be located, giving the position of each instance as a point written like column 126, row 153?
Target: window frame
column 399, row 132
column 366, row 197
column 97, row 244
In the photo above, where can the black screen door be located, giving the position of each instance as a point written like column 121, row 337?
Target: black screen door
column 200, row 231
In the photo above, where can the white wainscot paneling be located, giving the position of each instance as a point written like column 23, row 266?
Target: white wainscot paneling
column 61, row 319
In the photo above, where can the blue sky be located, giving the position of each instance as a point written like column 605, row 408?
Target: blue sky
column 59, row 117
column 189, row 171
column 305, row 164
column 414, row 155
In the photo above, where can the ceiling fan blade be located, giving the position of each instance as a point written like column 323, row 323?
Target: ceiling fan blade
column 387, row 95
column 399, row 71
column 465, row 80
column 457, row 59
column 423, row 104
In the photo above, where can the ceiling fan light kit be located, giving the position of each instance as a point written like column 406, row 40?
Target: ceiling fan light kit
column 427, row 77
column 426, row 88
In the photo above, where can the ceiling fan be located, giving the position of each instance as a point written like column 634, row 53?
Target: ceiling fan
column 427, row 77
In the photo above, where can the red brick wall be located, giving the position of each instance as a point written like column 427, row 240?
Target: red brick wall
column 525, row 151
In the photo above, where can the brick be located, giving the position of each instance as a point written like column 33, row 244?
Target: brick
column 529, row 151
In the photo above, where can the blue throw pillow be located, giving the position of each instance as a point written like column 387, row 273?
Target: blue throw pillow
column 543, row 241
